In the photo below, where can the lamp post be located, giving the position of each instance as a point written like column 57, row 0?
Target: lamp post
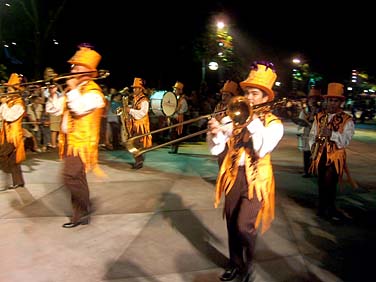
column 296, row 74
column 203, row 70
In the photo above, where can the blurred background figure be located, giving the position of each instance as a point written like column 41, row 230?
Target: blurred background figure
column 55, row 116
column 179, row 116
column 229, row 90
column 113, row 122
column 306, row 116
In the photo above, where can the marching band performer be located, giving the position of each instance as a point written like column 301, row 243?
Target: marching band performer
column 246, row 176
column 83, row 104
column 229, row 90
column 178, row 117
column 307, row 115
column 12, row 110
column 139, row 118
column 331, row 133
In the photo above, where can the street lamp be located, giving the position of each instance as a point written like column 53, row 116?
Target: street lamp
column 296, row 61
column 296, row 73
column 213, row 66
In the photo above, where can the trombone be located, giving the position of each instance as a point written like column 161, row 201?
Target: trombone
column 101, row 74
column 10, row 94
column 239, row 110
column 137, row 152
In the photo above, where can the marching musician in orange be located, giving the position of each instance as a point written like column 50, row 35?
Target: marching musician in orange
column 331, row 133
column 246, row 175
column 307, row 115
column 178, row 117
column 12, row 110
column 139, row 119
column 83, row 105
column 229, row 90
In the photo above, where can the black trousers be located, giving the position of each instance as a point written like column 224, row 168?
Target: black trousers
column 9, row 165
column 241, row 214
column 306, row 161
column 115, row 129
column 74, row 177
column 327, row 183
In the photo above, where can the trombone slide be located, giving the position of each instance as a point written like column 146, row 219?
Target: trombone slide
column 239, row 111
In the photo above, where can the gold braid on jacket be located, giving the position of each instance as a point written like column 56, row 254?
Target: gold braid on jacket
column 259, row 173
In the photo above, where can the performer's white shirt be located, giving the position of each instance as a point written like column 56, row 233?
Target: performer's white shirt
column 265, row 139
column 77, row 103
column 341, row 139
column 139, row 114
column 184, row 106
column 11, row 113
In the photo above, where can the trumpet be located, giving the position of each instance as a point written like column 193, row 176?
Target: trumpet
column 239, row 110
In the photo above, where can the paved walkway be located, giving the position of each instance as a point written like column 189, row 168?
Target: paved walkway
column 158, row 224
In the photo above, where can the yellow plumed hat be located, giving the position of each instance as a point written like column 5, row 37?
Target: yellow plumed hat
column 86, row 57
column 335, row 90
column 138, row 82
column 262, row 76
column 178, row 85
column 230, row 87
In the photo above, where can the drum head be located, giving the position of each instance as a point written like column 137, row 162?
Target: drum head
column 169, row 103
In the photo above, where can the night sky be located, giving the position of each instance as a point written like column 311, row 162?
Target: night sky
column 153, row 39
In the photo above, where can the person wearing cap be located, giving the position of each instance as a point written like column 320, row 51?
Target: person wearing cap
column 178, row 117
column 245, row 175
column 306, row 115
column 12, row 110
column 82, row 105
column 139, row 119
column 332, row 131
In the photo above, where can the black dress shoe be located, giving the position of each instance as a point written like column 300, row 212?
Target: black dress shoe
column 84, row 221
column 229, row 274
column 15, row 186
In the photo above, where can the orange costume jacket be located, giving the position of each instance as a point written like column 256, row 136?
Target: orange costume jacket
column 333, row 153
column 14, row 131
column 141, row 126
column 82, row 137
column 259, row 174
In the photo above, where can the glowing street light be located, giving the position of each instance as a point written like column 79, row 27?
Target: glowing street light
column 213, row 66
column 220, row 25
column 296, row 61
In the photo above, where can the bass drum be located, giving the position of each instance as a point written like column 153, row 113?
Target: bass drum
column 163, row 103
